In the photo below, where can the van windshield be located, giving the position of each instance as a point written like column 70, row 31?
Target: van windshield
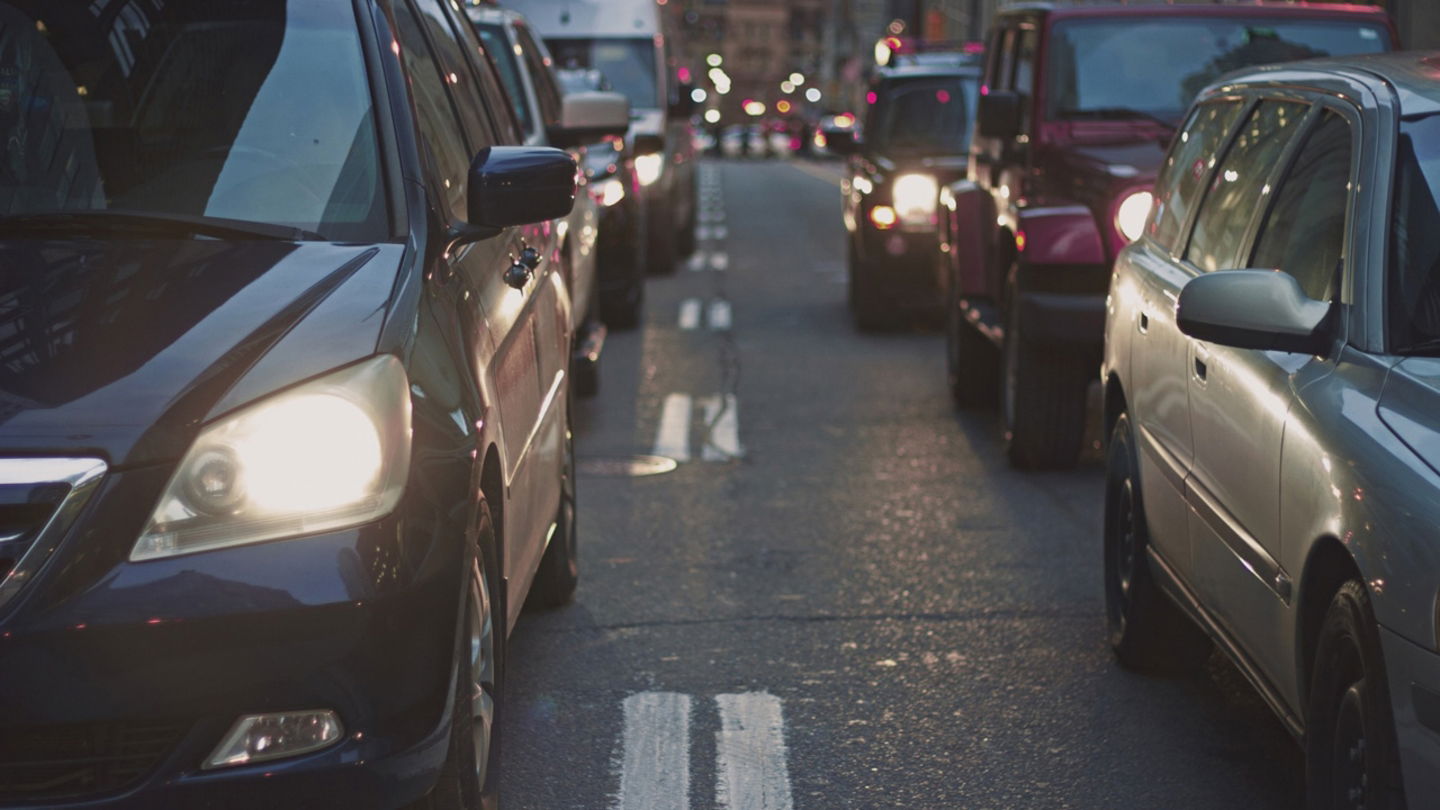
column 237, row 111
column 628, row 64
column 930, row 116
column 1151, row 67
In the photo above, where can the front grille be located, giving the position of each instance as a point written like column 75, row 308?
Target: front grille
column 67, row 762
column 39, row 499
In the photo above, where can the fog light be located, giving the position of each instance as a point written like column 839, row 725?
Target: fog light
column 263, row 737
column 883, row 217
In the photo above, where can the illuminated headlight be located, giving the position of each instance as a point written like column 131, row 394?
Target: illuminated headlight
column 612, row 191
column 648, row 167
column 330, row 454
column 916, row 196
column 1130, row 217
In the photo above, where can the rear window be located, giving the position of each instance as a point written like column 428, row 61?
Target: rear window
column 931, row 115
column 628, row 64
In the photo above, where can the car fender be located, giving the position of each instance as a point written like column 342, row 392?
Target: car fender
column 1058, row 234
column 968, row 237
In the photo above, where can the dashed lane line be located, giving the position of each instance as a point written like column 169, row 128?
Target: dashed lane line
column 722, row 418
column 672, row 439
column 655, row 758
column 752, row 772
column 690, row 313
column 720, row 315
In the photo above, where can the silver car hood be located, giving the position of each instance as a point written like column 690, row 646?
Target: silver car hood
column 1410, row 406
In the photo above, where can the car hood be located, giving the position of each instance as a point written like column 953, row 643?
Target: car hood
column 1408, row 406
column 1135, row 161
column 123, row 348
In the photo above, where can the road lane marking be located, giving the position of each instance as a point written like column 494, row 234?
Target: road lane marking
column 697, row 261
column 719, row 261
column 722, row 422
column 672, row 440
column 751, row 768
column 720, row 315
column 690, row 313
column 719, row 232
column 655, row 763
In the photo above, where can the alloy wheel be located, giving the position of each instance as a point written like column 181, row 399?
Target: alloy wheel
column 482, row 673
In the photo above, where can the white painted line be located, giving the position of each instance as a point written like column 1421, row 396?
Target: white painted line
column 751, row 772
column 673, row 437
column 720, row 315
column 722, row 419
column 704, row 233
column 697, row 261
column 655, row 763
column 690, row 313
column 719, row 261
column 720, row 232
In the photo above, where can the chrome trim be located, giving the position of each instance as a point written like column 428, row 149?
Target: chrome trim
column 1246, row 548
column 83, row 475
column 1164, row 460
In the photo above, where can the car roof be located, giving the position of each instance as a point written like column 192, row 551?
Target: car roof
column 1414, row 76
column 926, row 71
column 493, row 15
column 1252, row 8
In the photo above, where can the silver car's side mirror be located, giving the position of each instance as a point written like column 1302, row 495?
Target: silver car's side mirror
column 1253, row 309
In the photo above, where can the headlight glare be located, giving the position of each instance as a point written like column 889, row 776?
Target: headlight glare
column 647, row 168
column 1131, row 215
column 326, row 455
column 916, row 199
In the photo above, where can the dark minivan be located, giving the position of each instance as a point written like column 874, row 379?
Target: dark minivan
column 284, row 424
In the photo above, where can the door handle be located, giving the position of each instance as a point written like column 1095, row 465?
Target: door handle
column 1200, row 369
column 1144, row 323
column 1202, row 360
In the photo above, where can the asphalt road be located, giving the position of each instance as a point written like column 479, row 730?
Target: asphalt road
column 843, row 598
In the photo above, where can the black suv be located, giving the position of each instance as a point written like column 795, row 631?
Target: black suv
column 914, row 140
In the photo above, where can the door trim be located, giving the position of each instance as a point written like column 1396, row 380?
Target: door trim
column 1244, row 546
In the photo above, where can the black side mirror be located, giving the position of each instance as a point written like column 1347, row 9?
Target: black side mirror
column 649, row 144
column 684, row 105
column 1253, row 309
column 841, row 140
column 998, row 115
column 519, row 185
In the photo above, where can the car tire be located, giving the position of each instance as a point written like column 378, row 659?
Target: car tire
column 685, row 240
column 622, row 309
column 662, row 249
column 1147, row 631
column 1042, row 398
column 469, row 778
column 559, row 571
column 869, row 309
column 1351, row 755
column 971, row 362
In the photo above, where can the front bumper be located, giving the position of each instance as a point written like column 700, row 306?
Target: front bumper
column 120, row 678
column 1414, row 676
column 905, row 264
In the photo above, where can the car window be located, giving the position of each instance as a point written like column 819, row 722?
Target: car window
column 541, row 67
column 1024, row 82
column 1238, row 184
column 506, row 127
column 1191, row 157
column 1414, row 267
column 1001, row 80
column 509, row 68
column 438, row 124
column 456, row 72
column 1304, row 232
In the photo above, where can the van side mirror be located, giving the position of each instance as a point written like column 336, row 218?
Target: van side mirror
column 841, row 140
column 998, row 115
column 684, row 105
column 520, row 185
column 1253, row 309
column 590, row 117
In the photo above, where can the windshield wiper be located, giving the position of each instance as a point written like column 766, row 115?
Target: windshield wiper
column 1119, row 113
column 110, row 222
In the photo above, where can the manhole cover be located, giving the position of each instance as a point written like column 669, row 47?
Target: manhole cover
column 625, row 466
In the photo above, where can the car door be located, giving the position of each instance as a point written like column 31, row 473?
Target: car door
column 1159, row 397
column 1240, row 399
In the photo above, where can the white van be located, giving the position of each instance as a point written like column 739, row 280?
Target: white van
column 625, row 40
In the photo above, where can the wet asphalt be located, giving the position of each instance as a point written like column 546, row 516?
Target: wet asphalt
column 929, row 620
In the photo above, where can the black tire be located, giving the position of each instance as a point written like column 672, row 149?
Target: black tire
column 972, row 362
column 559, row 570
column 467, row 783
column 1351, row 756
column 1147, row 631
column 1042, row 400
column 685, row 240
column 868, row 306
column 622, row 309
column 662, row 248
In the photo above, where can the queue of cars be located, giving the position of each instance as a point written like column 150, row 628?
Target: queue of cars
column 1245, row 245
column 292, row 292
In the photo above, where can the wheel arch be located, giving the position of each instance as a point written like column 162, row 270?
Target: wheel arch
column 1328, row 566
column 492, row 490
column 1114, row 404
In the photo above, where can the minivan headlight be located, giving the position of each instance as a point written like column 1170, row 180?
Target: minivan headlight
column 326, row 455
column 1132, row 214
column 916, row 198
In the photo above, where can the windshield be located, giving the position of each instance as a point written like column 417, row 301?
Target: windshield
column 628, row 64
column 244, row 110
column 1414, row 292
column 1107, row 68
column 923, row 115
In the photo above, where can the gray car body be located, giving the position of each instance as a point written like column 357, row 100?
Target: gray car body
column 1316, row 469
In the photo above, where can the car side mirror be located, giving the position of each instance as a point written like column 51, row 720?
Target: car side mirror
column 841, row 140
column 590, row 117
column 1253, row 309
column 520, row 185
column 998, row 115
column 684, row 105
column 649, row 144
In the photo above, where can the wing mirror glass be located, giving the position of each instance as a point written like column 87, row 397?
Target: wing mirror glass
column 1253, row 309
column 590, row 117
column 520, row 185
column 998, row 115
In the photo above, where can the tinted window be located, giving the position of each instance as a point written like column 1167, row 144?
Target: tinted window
column 1192, row 155
column 238, row 109
column 541, row 74
column 1106, row 68
column 504, row 57
column 1238, row 184
column 629, row 64
column 1024, row 83
column 437, row 122
column 931, row 115
column 1304, row 233
column 456, row 72
column 1414, row 268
